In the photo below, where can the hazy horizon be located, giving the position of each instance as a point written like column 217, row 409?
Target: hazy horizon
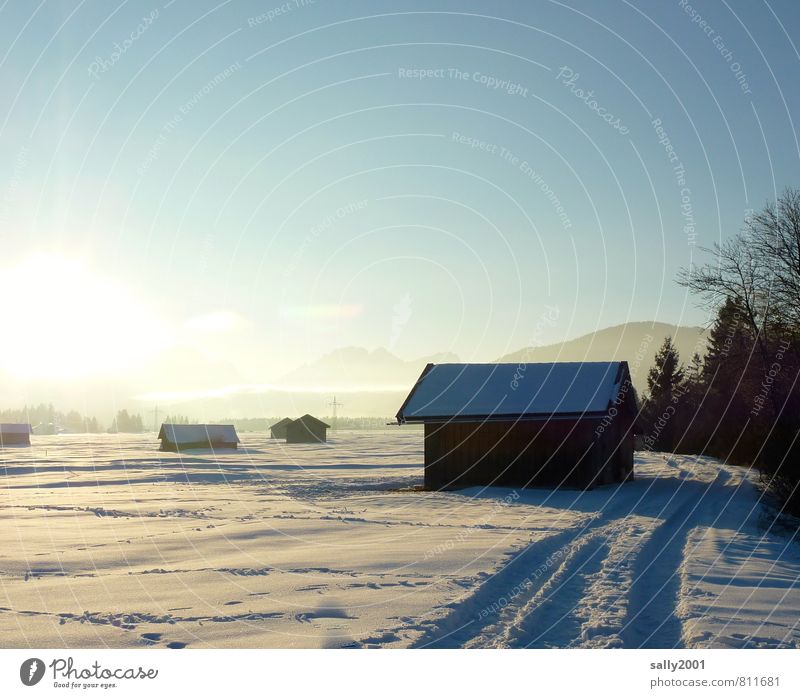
column 372, row 383
column 195, row 197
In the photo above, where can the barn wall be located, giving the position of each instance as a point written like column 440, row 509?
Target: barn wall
column 197, row 445
column 618, row 443
column 304, row 434
column 622, row 450
column 13, row 439
column 522, row 454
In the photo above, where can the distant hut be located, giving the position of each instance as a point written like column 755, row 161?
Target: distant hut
column 306, row 430
column 524, row 425
column 15, row 435
column 278, row 430
column 183, row 437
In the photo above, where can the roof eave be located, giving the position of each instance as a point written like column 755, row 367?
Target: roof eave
column 400, row 417
column 438, row 419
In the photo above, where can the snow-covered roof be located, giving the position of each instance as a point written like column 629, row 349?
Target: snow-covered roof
column 15, row 429
column 198, row 433
column 494, row 391
column 310, row 420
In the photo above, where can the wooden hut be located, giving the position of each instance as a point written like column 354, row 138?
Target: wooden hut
column 525, row 425
column 183, row 437
column 15, row 435
column 307, row 430
column 278, row 430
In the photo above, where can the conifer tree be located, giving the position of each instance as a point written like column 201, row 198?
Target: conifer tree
column 665, row 387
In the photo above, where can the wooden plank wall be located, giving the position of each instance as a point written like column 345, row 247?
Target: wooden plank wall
column 525, row 454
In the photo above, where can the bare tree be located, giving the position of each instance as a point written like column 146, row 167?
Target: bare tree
column 741, row 274
column 774, row 234
column 757, row 273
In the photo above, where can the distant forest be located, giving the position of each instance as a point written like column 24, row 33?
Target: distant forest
column 46, row 419
column 741, row 401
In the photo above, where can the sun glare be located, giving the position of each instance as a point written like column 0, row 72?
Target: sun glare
column 66, row 321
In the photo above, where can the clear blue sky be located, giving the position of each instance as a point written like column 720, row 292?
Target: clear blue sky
column 271, row 181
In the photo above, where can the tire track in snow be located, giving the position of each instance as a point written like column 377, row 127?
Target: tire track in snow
column 655, row 592
column 512, row 607
column 586, row 602
column 492, row 608
column 528, row 623
column 470, row 614
column 603, row 608
column 581, row 604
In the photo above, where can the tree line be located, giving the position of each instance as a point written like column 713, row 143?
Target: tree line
column 740, row 401
column 46, row 419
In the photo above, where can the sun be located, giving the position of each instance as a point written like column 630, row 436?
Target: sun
column 65, row 321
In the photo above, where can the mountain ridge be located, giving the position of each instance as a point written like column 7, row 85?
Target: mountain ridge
column 380, row 369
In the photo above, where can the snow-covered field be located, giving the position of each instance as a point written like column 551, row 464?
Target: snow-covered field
column 105, row 542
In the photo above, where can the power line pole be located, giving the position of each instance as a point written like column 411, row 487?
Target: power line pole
column 155, row 419
column 334, row 404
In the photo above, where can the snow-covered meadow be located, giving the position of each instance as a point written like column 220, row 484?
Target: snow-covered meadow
column 106, row 542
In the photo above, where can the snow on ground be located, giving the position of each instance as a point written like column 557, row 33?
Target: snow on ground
column 106, row 542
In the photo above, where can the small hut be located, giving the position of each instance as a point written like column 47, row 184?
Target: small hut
column 307, row 430
column 278, row 430
column 525, row 425
column 183, row 437
column 15, row 435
